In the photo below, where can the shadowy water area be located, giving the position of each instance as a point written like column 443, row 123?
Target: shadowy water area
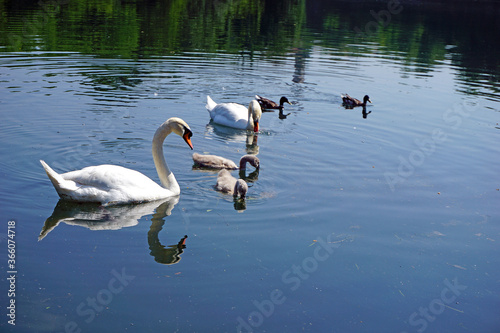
column 383, row 218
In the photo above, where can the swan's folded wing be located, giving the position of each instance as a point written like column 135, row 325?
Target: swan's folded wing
column 230, row 114
column 225, row 182
column 213, row 161
column 111, row 184
column 108, row 177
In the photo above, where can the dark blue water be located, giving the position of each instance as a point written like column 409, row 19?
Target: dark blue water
column 386, row 221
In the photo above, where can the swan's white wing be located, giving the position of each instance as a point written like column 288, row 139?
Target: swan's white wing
column 230, row 114
column 107, row 177
column 112, row 184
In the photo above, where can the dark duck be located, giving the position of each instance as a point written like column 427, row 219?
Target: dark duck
column 351, row 102
column 267, row 104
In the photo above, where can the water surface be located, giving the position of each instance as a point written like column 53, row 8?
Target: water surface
column 356, row 222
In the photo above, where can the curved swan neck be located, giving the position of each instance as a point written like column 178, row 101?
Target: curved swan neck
column 254, row 114
column 253, row 160
column 243, row 163
column 250, row 118
column 166, row 176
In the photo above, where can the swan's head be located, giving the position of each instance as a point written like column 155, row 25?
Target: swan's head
column 366, row 99
column 252, row 159
column 284, row 100
column 256, row 112
column 181, row 128
column 240, row 188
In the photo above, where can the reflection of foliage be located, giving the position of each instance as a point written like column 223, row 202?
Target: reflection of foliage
column 421, row 34
column 98, row 27
column 141, row 28
column 104, row 83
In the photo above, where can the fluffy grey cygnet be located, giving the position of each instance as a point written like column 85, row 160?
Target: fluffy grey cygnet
column 213, row 162
column 228, row 184
column 217, row 162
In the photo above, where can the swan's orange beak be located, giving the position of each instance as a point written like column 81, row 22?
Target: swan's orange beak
column 256, row 126
column 187, row 138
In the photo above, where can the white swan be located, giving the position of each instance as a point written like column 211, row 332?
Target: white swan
column 235, row 115
column 228, row 184
column 113, row 184
column 218, row 162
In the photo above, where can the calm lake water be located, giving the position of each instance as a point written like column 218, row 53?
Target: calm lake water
column 386, row 220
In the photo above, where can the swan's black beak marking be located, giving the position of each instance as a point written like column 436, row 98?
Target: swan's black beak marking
column 187, row 137
column 256, row 125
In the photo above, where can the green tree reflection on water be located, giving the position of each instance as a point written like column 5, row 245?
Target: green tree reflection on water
column 423, row 34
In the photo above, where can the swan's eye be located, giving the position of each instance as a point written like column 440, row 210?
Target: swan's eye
column 187, row 132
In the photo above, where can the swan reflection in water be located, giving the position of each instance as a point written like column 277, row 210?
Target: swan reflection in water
column 96, row 217
column 251, row 145
column 164, row 255
column 228, row 134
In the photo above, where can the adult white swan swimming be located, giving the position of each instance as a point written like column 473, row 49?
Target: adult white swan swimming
column 113, row 184
column 235, row 115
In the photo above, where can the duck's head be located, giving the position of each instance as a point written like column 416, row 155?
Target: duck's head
column 256, row 112
column 366, row 99
column 284, row 100
column 181, row 128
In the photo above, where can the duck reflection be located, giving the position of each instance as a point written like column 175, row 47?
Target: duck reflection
column 96, row 217
column 364, row 113
column 282, row 116
column 353, row 102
